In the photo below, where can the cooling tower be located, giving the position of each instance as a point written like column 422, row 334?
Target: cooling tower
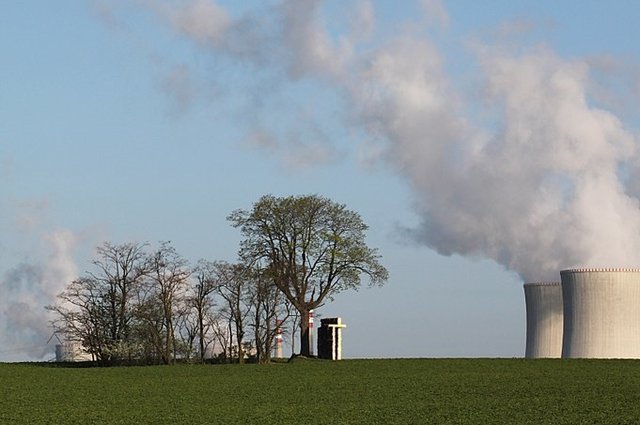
column 65, row 352
column 601, row 313
column 544, row 319
column 70, row 351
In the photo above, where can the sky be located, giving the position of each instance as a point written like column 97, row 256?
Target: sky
column 484, row 143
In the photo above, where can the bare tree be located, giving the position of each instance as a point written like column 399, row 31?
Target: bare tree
column 168, row 274
column 149, row 326
column 81, row 317
column 222, row 335
column 268, row 306
column 201, row 301
column 233, row 287
column 186, row 333
column 311, row 247
column 98, row 309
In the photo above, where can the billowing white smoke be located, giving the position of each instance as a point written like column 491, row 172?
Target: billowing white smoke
column 27, row 289
column 537, row 191
column 526, row 170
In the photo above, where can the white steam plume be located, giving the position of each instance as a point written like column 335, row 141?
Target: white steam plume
column 27, row 289
column 527, row 170
column 540, row 193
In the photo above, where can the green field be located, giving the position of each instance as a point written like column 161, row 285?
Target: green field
column 412, row 391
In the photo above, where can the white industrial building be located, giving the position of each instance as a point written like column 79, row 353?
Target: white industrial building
column 601, row 313
column 544, row 319
column 592, row 313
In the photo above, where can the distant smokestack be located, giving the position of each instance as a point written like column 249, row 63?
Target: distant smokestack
column 601, row 313
column 279, row 339
column 311, row 338
column 544, row 319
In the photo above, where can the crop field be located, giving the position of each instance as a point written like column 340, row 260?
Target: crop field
column 407, row 391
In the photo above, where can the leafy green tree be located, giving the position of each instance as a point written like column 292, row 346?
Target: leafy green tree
column 311, row 247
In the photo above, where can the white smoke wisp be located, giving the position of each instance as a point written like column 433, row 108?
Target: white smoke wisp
column 28, row 288
column 363, row 21
column 435, row 12
column 61, row 267
column 202, row 20
column 309, row 48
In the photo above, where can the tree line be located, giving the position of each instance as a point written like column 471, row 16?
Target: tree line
column 140, row 304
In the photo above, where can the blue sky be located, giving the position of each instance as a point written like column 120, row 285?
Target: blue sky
column 153, row 120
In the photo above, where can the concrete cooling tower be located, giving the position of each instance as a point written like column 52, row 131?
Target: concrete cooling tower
column 70, row 351
column 601, row 313
column 544, row 319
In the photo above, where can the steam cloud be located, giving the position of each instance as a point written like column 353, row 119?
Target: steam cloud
column 27, row 289
column 525, row 169
column 538, row 192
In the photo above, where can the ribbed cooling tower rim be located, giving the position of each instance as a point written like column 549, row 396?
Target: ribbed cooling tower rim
column 601, row 270
column 541, row 283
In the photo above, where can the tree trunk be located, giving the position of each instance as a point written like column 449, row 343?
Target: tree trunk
column 305, row 343
column 239, row 338
column 201, row 335
column 268, row 343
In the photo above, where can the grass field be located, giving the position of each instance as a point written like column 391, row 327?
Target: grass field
column 412, row 391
